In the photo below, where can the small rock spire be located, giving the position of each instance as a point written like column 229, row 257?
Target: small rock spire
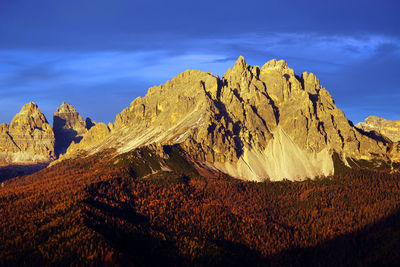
column 240, row 64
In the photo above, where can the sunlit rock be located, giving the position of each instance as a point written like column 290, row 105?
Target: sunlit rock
column 253, row 123
column 28, row 139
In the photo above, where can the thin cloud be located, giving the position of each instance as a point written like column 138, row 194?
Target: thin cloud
column 339, row 61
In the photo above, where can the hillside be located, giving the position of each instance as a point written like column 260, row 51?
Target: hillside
column 98, row 211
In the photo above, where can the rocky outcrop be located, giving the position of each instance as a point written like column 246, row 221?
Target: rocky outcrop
column 387, row 128
column 253, row 123
column 97, row 132
column 384, row 129
column 28, row 139
column 68, row 127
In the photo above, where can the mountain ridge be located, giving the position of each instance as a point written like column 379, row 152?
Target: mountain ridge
column 388, row 128
column 228, row 123
column 252, row 123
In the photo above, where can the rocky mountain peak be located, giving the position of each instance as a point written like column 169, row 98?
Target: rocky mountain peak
column 28, row 139
column 387, row 128
column 275, row 64
column 29, row 107
column 29, row 117
column 65, row 108
column 240, row 64
column 68, row 126
column 252, row 123
column 279, row 66
column 240, row 71
column 375, row 120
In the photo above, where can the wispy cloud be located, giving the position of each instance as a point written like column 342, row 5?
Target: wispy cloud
column 122, row 75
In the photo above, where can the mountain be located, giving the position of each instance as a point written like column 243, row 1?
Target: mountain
column 29, row 138
column 253, row 123
column 68, row 127
column 387, row 128
column 156, row 188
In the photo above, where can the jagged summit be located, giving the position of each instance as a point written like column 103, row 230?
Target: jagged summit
column 65, row 108
column 28, row 138
column 32, row 114
column 29, row 107
column 68, row 126
column 388, row 128
column 252, row 123
column 275, row 64
column 240, row 64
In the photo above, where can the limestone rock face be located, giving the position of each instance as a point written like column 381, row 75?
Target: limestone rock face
column 28, row 139
column 68, row 127
column 253, row 123
column 387, row 128
column 97, row 132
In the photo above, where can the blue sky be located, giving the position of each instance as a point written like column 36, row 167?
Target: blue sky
column 100, row 55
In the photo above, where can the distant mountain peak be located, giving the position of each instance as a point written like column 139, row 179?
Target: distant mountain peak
column 29, row 109
column 68, row 126
column 65, row 108
column 387, row 128
column 29, row 138
column 29, row 106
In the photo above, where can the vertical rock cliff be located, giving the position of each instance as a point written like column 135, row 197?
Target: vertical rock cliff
column 68, row 126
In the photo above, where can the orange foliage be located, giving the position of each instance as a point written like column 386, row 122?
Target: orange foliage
column 88, row 213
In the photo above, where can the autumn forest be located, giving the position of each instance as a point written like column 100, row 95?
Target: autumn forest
column 102, row 212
